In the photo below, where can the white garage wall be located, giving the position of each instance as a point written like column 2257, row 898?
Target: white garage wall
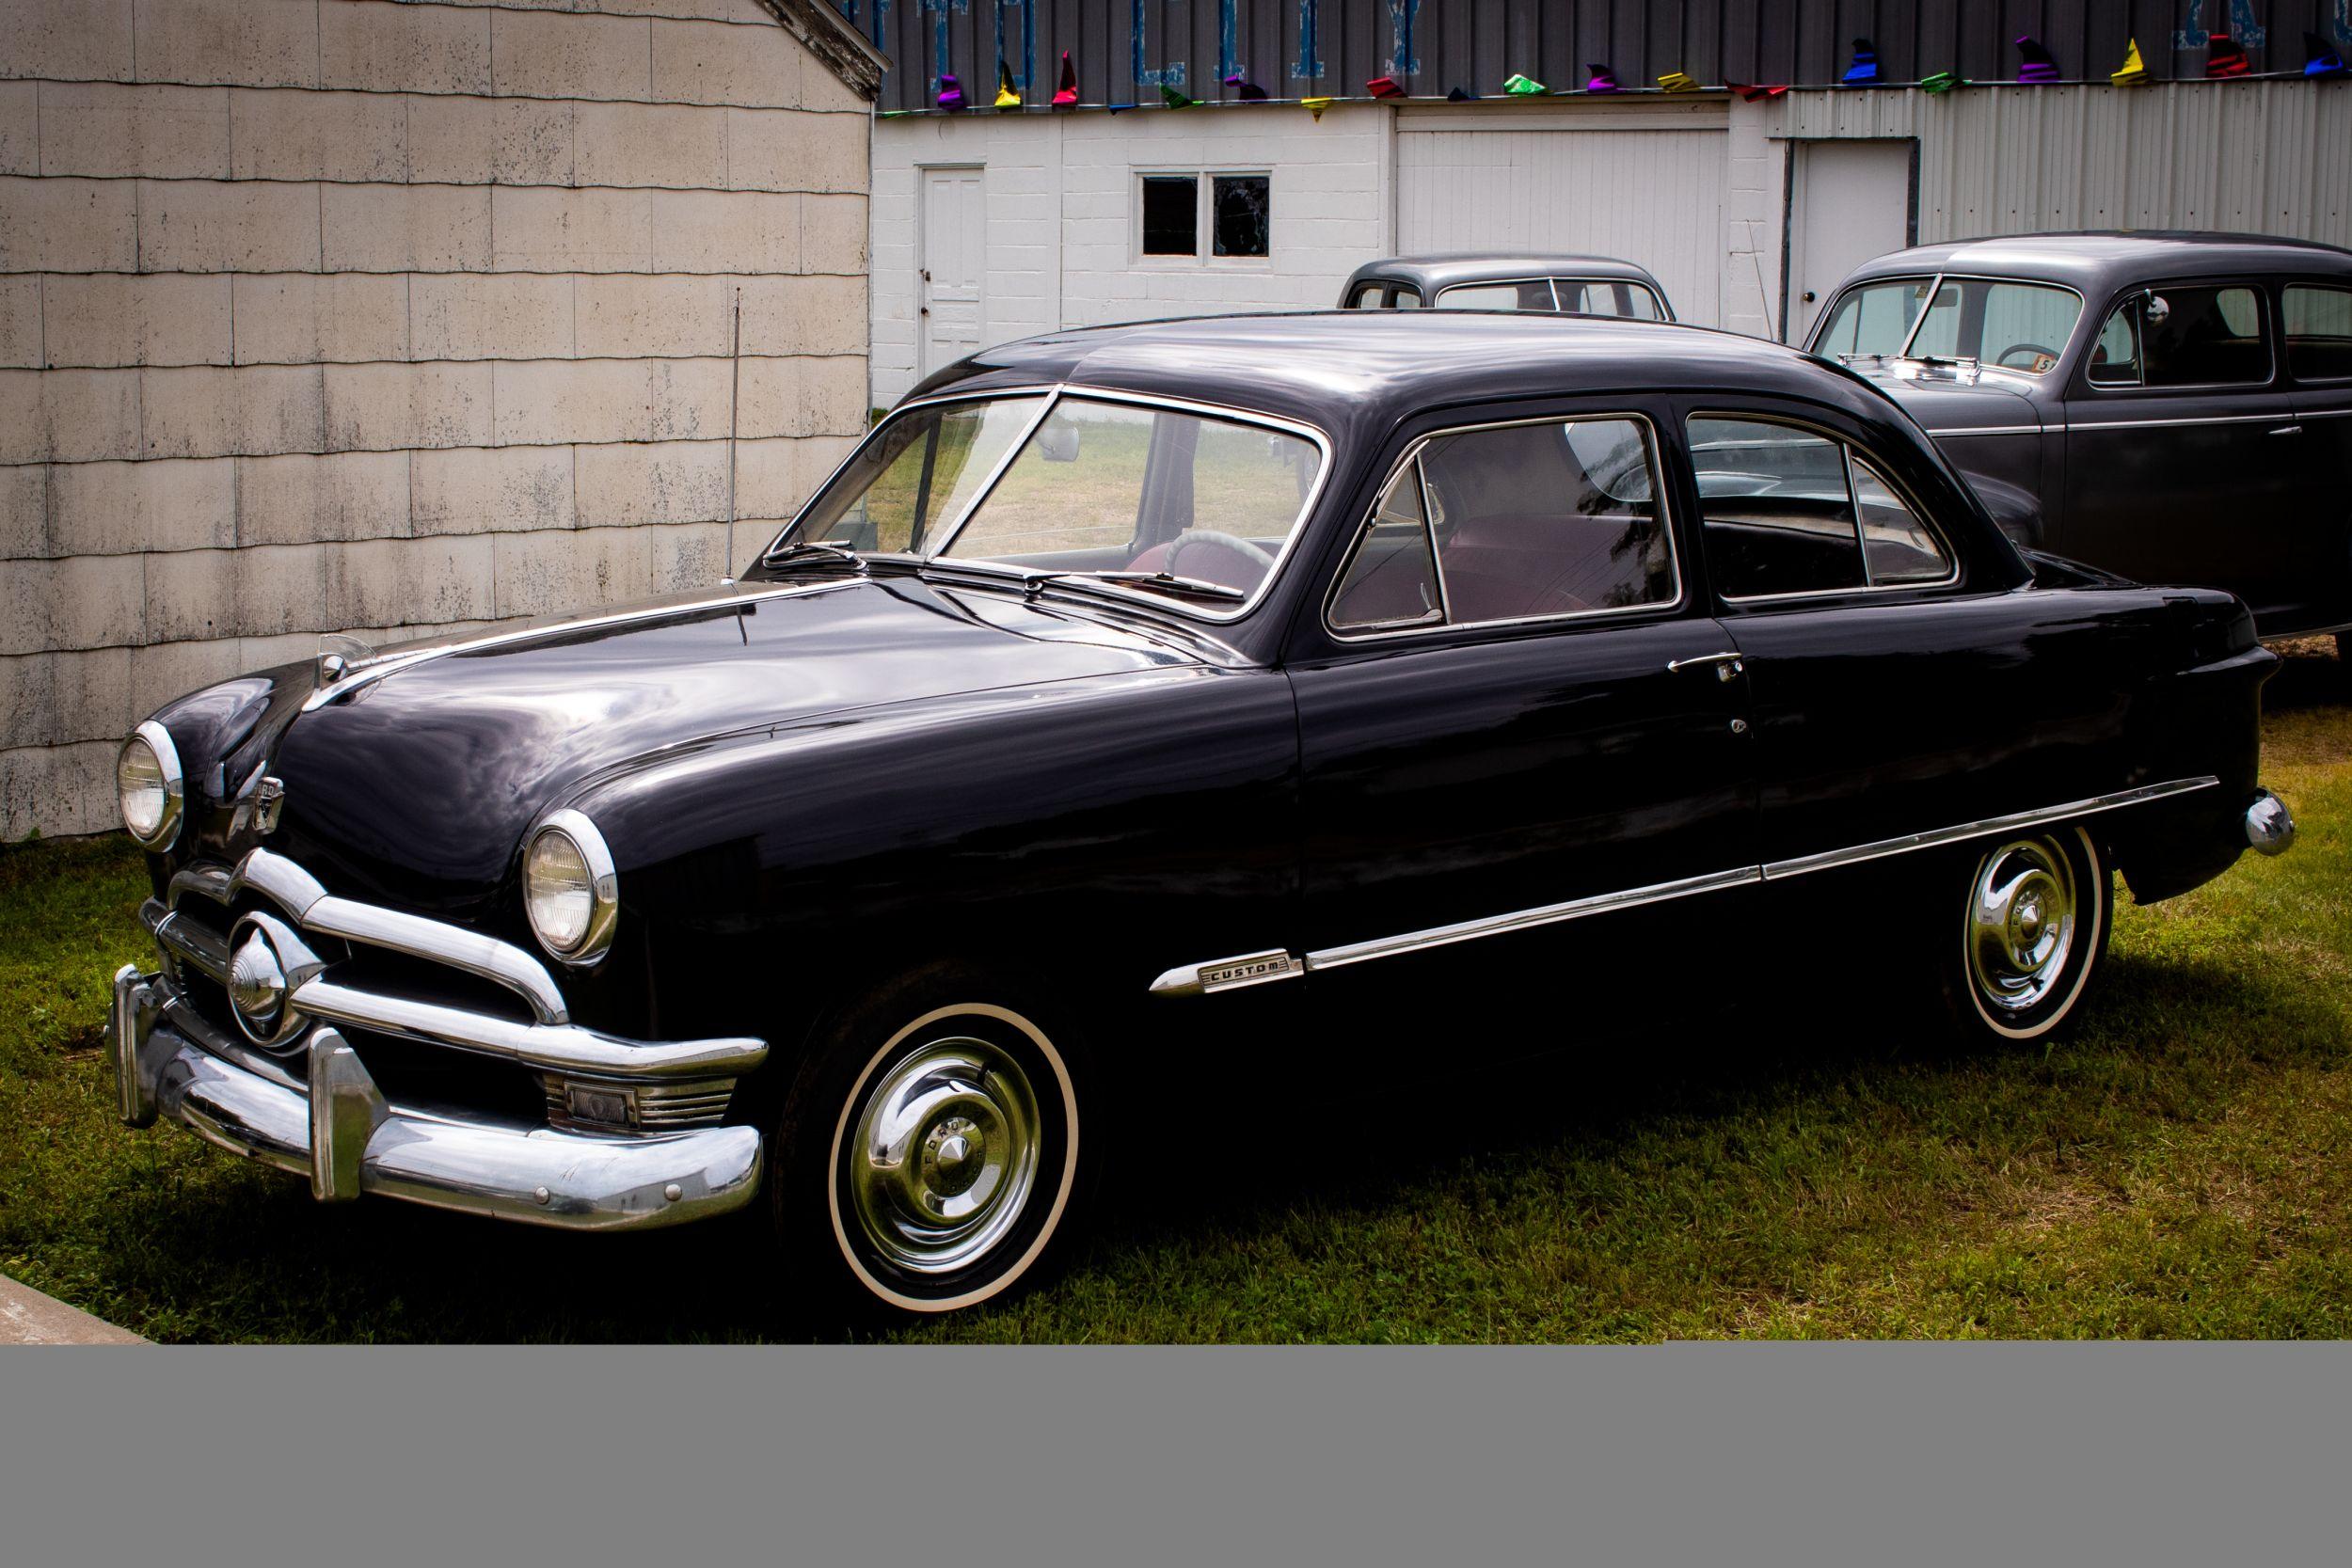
column 1642, row 182
column 1061, row 216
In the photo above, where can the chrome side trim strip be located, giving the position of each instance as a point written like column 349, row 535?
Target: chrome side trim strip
column 1236, row 974
column 393, row 663
column 1991, row 429
column 1258, row 968
column 1831, row 859
column 1468, row 930
column 2275, row 416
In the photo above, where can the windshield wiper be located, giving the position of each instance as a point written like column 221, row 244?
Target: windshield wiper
column 1165, row 583
column 803, row 550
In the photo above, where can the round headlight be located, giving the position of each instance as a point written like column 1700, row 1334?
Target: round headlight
column 569, row 890
column 147, row 786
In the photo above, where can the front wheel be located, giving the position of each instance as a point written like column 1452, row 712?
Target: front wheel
column 927, row 1157
column 2028, row 933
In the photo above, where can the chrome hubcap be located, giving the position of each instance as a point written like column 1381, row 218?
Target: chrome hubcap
column 945, row 1155
column 2021, row 923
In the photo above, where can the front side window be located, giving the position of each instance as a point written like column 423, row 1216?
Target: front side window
column 2319, row 332
column 1515, row 523
column 2203, row 334
column 1133, row 492
column 1366, row 297
column 1789, row 511
column 1528, row 294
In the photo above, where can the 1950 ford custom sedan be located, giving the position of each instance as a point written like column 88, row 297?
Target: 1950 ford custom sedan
column 1130, row 704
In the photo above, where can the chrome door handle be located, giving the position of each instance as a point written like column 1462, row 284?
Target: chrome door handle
column 2288, row 430
column 1725, row 665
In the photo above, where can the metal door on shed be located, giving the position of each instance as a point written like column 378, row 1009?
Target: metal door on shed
column 1651, row 196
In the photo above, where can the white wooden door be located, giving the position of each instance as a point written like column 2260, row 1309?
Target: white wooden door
column 1649, row 196
column 1848, row 203
column 955, row 266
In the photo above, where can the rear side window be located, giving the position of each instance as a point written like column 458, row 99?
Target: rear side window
column 1787, row 511
column 1515, row 523
column 2198, row 335
column 2319, row 332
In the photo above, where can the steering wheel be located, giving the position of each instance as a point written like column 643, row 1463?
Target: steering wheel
column 1256, row 555
column 2044, row 357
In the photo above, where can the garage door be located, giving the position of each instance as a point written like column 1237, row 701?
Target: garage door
column 1653, row 196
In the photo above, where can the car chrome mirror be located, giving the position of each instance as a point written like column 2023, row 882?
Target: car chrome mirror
column 1057, row 442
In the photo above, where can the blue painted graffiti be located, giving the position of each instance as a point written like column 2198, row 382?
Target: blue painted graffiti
column 2242, row 26
column 1402, row 15
column 1170, row 75
column 1022, row 68
column 938, row 11
column 1227, row 47
column 1310, row 66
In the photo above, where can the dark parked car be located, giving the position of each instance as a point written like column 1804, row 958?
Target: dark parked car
column 1143, row 699
column 1480, row 280
column 2174, row 407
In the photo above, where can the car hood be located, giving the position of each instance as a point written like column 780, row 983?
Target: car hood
column 1951, row 399
column 414, row 782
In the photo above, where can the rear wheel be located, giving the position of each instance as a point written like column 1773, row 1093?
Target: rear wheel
column 927, row 1157
column 2030, row 932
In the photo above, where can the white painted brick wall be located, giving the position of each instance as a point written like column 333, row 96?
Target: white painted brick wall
column 393, row 319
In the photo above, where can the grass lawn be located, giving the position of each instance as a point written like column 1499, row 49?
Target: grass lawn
column 2177, row 1166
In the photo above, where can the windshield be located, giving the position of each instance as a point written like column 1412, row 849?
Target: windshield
column 1133, row 492
column 1994, row 321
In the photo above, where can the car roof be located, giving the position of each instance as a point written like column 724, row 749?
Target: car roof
column 1351, row 370
column 2096, row 261
column 1445, row 269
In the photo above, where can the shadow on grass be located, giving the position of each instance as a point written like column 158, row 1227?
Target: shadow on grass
column 204, row 1249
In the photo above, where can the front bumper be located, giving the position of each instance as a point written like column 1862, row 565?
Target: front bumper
column 339, row 1130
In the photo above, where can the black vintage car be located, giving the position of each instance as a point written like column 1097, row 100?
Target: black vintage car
column 1486, row 280
column 1134, row 703
column 2173, row 406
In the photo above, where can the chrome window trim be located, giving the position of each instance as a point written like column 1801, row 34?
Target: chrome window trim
column 1992, row 430
column 158, row 741
column 1877, row 465
column 392, row 664
column 1831, row 859
column 2271, row 382
column 1429, row 520
column 1658, row 302
column 1187, row 979
column 1439, row 303
column 1053, row 392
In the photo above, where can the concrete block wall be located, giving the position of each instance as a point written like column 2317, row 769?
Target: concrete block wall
column 1062, row 229
column 389, row 319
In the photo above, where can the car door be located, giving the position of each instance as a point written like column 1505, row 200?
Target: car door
column 1893, row 690
column 2316, row 317
column 2181, row 448
column 1516, row 727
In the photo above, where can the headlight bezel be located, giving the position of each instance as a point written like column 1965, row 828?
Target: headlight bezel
column 604, row 888
column 158, row 743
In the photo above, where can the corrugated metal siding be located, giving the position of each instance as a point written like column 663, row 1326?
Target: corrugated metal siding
column 1651, row 196
column 1295, row 48
column 2218, row 155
